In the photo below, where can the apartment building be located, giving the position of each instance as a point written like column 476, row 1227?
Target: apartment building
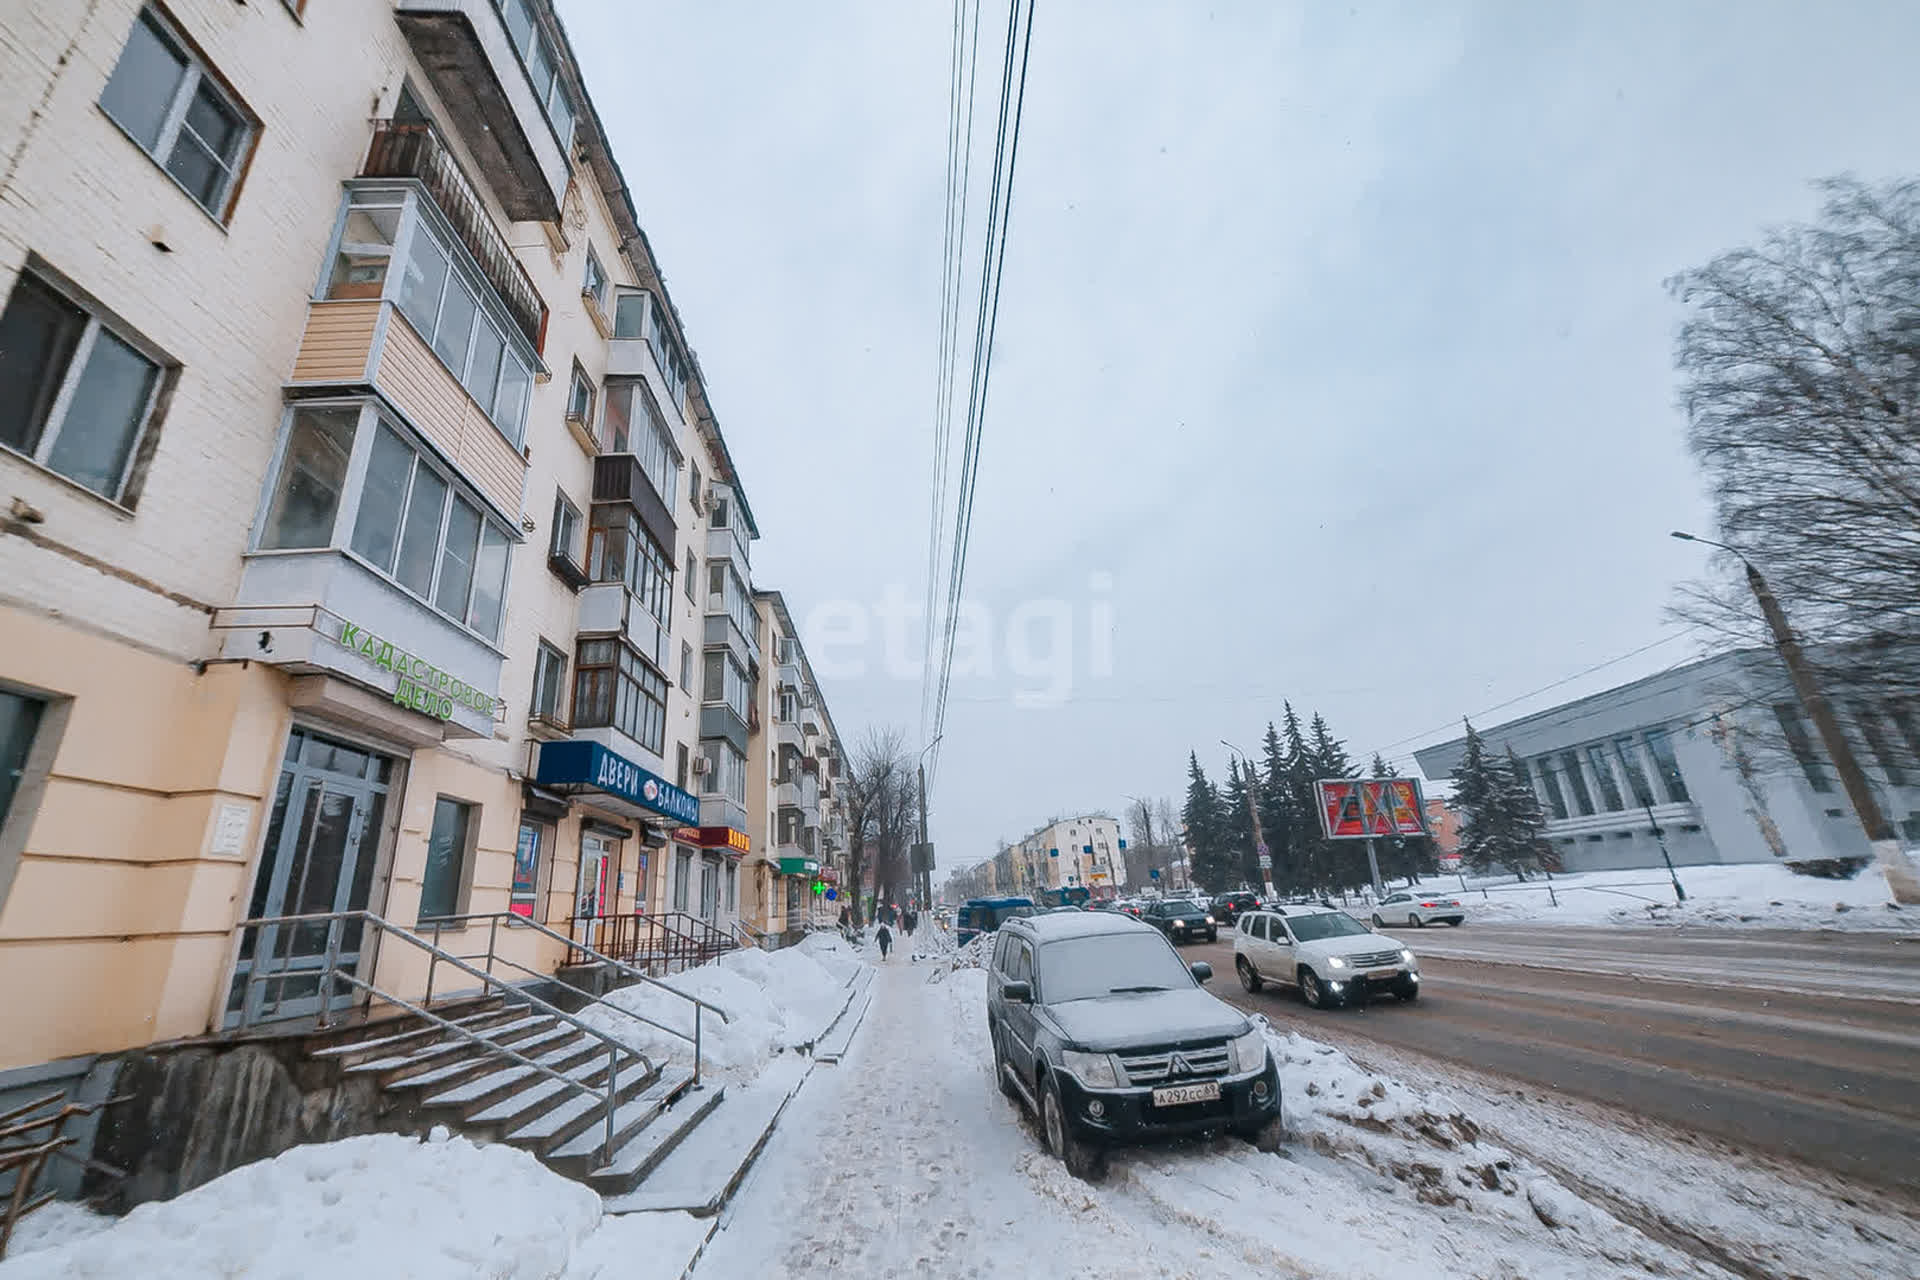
column 1072, row 853
column 1717, row 755
column 350, row 449
column 799, row 818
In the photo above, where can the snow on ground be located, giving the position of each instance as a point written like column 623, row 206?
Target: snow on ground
column 910, row 1162
column 392, row 1204
column 776, row 1001
column 1750, row 895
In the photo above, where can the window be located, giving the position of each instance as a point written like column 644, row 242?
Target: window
column 1550, row 781
column 445, row 875
column 789, row 707
column 632, row 424
column 76, row 396
column 686, row 666
column 613, row 687
column 726, row 770
column 725, row 681
column 693, row 574
column 365, row 249
column 682, row 873
column 537, row 57
column 1603, row 777
column 1629, row 754
column 1795, row 729
column 680, row 764
column 594, row 286
column 693, row 486
column 549, row 681
column 19, row 721
column 580, row 396
column 1577, row 783
column 1660, row 747
column 619, row 549
column 719, row 515
column 430, row 540
column 566, row 530
column 1868, row 722
column 526, row 867
column 638, row 314
column 727, row 594
column 733, row 889
column 444, row 298
column 305, row 497
column 170, row 103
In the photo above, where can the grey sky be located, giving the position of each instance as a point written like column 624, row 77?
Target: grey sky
column 1335, row 334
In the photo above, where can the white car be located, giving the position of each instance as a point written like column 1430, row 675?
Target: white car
column 1328, row 955
column 1418, row 910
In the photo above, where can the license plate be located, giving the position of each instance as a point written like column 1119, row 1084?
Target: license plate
column 1174, row 1095
column 1383, row 973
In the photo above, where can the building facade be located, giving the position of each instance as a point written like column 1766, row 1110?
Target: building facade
column 1716, row 755
column 367, row 539
column 1073, row 853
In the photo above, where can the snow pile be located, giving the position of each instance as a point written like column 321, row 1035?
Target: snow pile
column 381, row 1205
column 776, row 1001
column 973, row 955
column 1750, row 895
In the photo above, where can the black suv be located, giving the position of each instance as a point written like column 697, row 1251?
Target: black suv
column 1102, row 1032
column 1228, row 906
column 1181, row 920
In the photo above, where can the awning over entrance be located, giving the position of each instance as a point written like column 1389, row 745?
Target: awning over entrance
column 726, row 839
column 578, row 766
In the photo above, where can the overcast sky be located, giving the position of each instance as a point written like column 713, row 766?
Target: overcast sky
column 1334, row 334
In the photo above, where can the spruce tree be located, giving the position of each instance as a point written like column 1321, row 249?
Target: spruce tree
column 1276, row 811
column 1477, row 795
column 1527, row 824
column 1207, row 830
column 1241, row 847
column 1304, row 856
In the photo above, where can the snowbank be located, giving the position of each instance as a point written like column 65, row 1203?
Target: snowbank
column 957, row 958
column 776, row 1001
column 1743, row 895
column 381, row 1204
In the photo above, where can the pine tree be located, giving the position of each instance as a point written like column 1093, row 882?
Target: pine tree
column 1501, row 824
column 1241, row 847
column 1207, row 829
column 1276, row 810
column 1305, row 847
column 1526, row 821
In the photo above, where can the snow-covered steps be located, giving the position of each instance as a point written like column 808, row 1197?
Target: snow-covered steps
column 568, row 1052
column 573, row 1115
column 640, row 1125
column 705, row 1166
column 398, row 1067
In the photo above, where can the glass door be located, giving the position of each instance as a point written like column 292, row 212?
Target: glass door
column 592, row 898
column 317, row 859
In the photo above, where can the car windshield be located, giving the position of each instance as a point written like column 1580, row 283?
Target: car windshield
column 1109, row 964
column 1183, row 906
column 1328, row 924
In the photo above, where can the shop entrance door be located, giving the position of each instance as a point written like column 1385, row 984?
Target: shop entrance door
column 321, row 843
column 594, row 896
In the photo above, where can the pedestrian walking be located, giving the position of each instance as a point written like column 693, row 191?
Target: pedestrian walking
column 885, row 938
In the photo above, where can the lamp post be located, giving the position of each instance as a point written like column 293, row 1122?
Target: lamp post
column 1253, row 809
column 1879, row 830
column 923, row 881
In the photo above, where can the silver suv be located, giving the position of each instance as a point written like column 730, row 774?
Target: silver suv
column 1328, row 954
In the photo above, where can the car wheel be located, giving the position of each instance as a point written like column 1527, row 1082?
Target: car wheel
column 1407, row 991
column 1416, row 921
column 1083, row 1160
column 1248, row 978
column 1268, row 1136
column 1312, row 990
column 1378, row 923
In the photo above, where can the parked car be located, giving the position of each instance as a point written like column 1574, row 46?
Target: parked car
column 1227, row 906
column 1181, row 919
column 1328, row 955
column 984, row 915
column 1101, row 1031
column 1418, row 910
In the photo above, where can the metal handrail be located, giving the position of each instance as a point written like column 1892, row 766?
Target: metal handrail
column 330, row 971
column 515, row 921
column 617, row 1008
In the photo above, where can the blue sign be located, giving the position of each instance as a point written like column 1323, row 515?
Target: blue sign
column 1123, row 844
column 588, row 764
column 1053, row 853
column 1087, row 849
column 1153, row 873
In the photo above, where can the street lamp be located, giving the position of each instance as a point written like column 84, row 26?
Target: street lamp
column 1879, row 830
column 923, row 881
column 1259, row 840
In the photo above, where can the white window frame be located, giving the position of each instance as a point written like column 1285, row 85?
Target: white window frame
column 192, row 75
column 165, row 369
column 595, row 283
column 547, row 657
column 574, row 550
column 581, row 386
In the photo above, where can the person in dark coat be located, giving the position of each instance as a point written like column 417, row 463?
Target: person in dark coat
column 885, row 938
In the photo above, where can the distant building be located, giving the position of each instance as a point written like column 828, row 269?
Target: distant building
column 1444, row 825
column 1717, row 754
column 1082, row 852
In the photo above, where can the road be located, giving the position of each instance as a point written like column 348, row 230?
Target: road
column 1796, row 1044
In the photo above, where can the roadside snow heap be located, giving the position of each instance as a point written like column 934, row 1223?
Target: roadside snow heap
column 971, row 956
column 776, row 1002
column 424, row 1210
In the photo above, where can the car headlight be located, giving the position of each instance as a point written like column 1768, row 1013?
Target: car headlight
column 1095, row 1070
column 1335, row 962
column 1407, row 956
column 1209, row 919
column 1249, row 1051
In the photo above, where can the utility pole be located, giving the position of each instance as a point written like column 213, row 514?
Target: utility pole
column 1901, row 881
column 923, row 881
column 1253, row 809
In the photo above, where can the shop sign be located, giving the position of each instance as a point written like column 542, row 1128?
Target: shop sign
column 423, row 687
column 582, row 762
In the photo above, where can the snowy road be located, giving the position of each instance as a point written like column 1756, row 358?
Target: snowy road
column 905, row 1160
column 1692, row 1029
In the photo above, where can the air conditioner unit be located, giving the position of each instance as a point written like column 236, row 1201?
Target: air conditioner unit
column 701, row 764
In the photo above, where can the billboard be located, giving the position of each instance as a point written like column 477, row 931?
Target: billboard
column 1362, row 808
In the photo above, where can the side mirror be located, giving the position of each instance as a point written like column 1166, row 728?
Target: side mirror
column 1018, row 992
column 1201, row 970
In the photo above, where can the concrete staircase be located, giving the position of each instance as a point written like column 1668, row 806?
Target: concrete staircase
column 476, row 1089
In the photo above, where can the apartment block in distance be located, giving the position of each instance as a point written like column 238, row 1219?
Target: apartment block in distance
column 367, row 538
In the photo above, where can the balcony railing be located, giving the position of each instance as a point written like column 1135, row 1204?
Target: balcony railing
column 408, row 150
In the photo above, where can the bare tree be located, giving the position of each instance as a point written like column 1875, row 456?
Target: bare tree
column 877, row 779
column 1800, row 376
